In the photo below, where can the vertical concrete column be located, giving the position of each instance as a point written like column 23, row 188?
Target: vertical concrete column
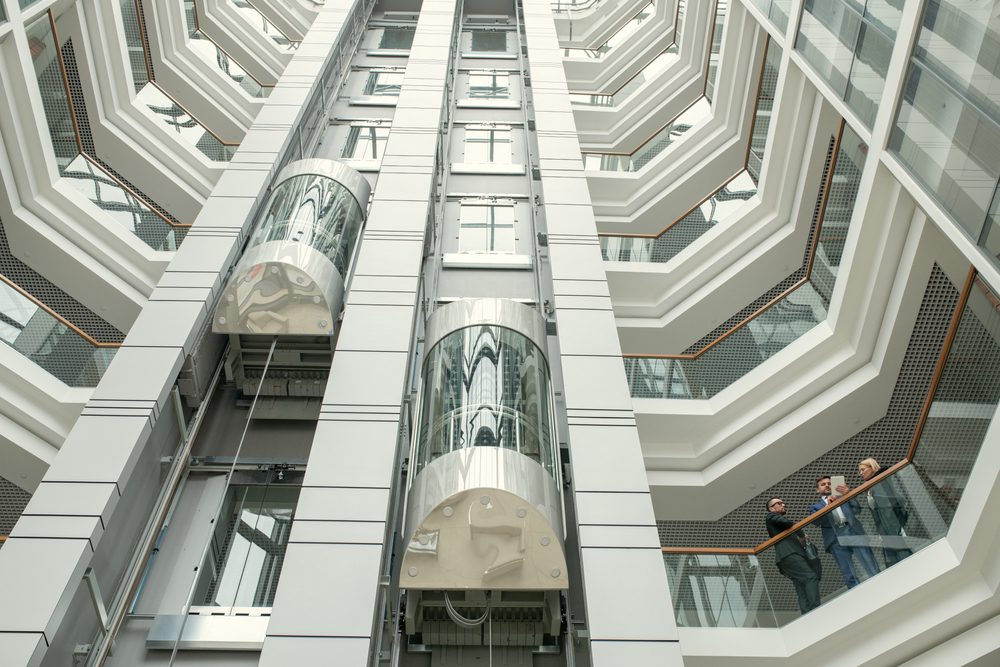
column 97, row 495
column 329, row 590
column 629, row 613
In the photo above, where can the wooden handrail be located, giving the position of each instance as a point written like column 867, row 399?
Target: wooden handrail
column 83, row 334
column 198, row 28
column 907, row 461
column 746, row 159
column 192, row 116
column 784, row 293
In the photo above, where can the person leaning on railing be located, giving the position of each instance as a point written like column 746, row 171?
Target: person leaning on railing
column 888, row 509
column 790, row 556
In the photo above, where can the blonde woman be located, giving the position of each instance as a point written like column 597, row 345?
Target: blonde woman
column 888, row 509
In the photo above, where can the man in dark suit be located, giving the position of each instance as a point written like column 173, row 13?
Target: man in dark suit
column 843, row 535
column 790, row 556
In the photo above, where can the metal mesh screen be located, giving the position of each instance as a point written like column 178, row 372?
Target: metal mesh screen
column 13, row 499
column 31, row 281
column 887, row 440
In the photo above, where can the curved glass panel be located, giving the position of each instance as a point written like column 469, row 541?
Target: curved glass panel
column 486, row 386
column 314, row 210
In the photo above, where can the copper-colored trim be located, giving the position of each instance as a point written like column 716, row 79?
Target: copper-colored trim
column 746, row 162
column 939, row 369
column 65, row 77
column 132, row 192
column 83, row 334
column 147, row 55
column 799, row 283
column 280, row 31
column 3, row 538
column 192, row 116
column 653, row 135
column 708, row 55
column 198, row 28
column 925, row 409
column 809, row 520
column 756, row 104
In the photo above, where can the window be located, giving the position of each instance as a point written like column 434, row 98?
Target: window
column 365, row 142
column 396, row 38
column 486, row 228
column 489, row 84
column 487, row 145
column 247, row 547
column 489, row 40
column 384, row 83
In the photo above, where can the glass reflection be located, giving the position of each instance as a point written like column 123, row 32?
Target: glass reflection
column 486, row 386
column 625, row 33
column 181, row 123
column 314, row 210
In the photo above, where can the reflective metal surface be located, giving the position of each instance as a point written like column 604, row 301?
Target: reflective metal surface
column 484, row 518
column 501, row 312
column 208, row 633
column 290, row 279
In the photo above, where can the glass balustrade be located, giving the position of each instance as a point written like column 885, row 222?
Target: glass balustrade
column 704, row 372
column 256, row 18
column 651, row 72
column 776, row 10
column 122, row 205
column 179, row 122
column 694, row 116
column 888, row 516
column 53, row 345
column 209, row 51
column 623, row 35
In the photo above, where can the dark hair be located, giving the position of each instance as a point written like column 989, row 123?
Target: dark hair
column 821, row 478
column 768, row 506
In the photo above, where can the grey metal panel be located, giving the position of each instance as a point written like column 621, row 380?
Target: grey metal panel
column 167, row 324
column 340, row 504
column 398, row 216
column 620, row 602
column 338, row 532
column 607, row 458
column 382, row 257
column 118, row 441
column 68, row 499
column 636, row 653
column 331, row 590
column 570, row 219
column 295, row 651
column 596, row 383
column 382, row 329
column 24, row 649
column 376, row 379
column 80, row 527
column 589, row 332
column 41, row 588
column 228, row 212
column 614, row 509
column 401, row 187
column 642, row 537
column 473, row 312
column 353, row 453
column 212, row 633
column 140, row 374
column 239, row 183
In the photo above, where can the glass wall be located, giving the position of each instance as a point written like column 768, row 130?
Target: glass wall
column 947, row 130
column 776, row 10
column 849, row 43
column 889, row 513
column 486, row 386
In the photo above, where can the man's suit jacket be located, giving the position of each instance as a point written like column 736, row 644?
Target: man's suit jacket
column 779, row 523
column 831, row 530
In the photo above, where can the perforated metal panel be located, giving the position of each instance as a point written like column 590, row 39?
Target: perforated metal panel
column 34, row 283
column 887, row 440
column 13, row 500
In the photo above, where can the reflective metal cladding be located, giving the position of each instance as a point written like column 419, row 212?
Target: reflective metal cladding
column 290, row 280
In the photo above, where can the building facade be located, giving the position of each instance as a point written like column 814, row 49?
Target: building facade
column 416, row 332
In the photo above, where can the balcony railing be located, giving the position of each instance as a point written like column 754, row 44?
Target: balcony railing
column 49, row 340
column 212, row 53
column 753, row 337
column 256, row 18
column 874, row 526
column 622, row 35
column 696, row 113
